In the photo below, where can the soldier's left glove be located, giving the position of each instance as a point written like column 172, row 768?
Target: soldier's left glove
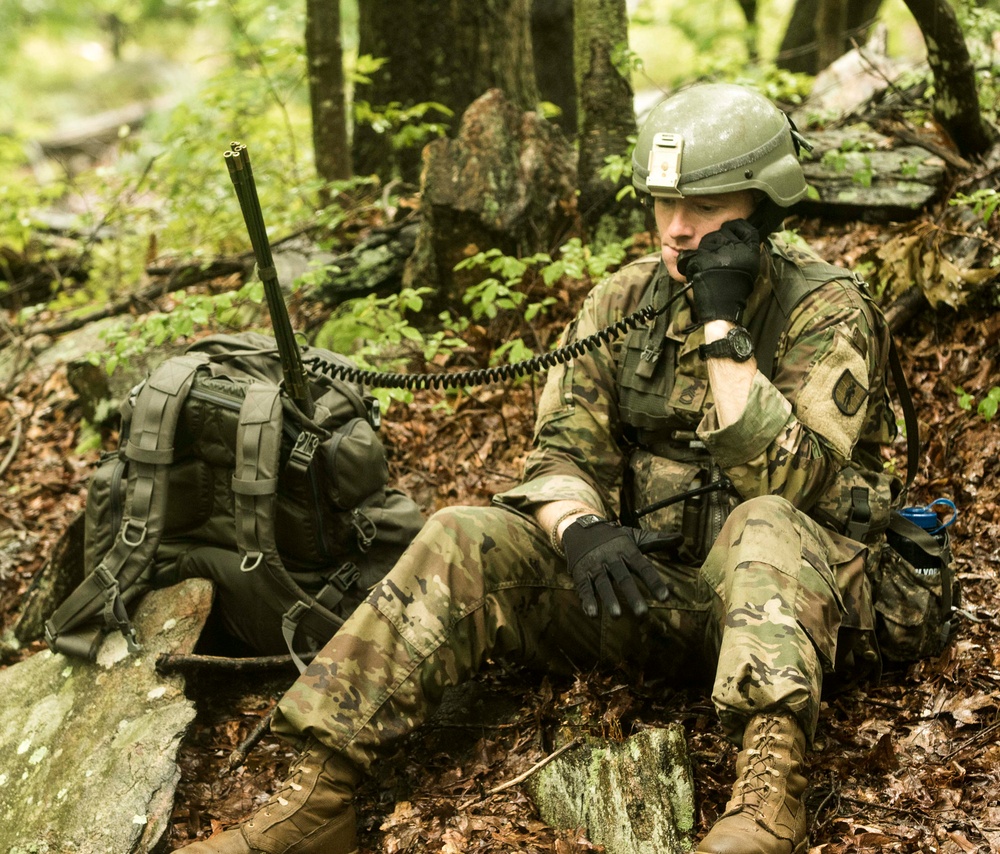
column 722, row 271
column 603, row 555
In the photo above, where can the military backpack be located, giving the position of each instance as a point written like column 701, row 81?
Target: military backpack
column 219, row 475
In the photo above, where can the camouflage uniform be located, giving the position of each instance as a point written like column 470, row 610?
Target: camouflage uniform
column 781, row 598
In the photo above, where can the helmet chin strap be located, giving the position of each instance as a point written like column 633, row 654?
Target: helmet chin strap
column 767, row 217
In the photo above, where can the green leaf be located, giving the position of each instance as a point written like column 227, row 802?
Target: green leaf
column 965, row 400
column 989, row 404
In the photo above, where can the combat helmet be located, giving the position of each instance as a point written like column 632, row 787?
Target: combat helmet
column 718, row 138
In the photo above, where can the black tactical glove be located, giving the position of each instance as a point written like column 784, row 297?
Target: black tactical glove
column 602, row 555
column 722, row 271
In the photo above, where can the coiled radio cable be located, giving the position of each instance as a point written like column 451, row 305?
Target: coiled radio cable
column 501, row 373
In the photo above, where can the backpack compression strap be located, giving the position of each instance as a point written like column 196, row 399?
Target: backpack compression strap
column 255, row 485
column 149, row 449
column 255, row 480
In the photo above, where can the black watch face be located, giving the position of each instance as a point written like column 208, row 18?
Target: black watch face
column 588, row 520
column 742, row 343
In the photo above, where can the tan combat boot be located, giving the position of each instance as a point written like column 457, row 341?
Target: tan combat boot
column 312, row 813
column 766, row 814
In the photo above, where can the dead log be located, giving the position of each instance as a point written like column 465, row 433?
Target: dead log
column 374, row 266
column 88, row 138
column 905, row 308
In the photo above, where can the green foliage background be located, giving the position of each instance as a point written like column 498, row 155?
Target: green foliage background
column 218, row 70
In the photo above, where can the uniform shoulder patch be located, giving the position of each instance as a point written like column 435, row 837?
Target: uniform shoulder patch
column 848, row 393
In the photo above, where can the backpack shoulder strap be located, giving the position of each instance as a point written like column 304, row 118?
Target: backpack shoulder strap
column 798, row 277
column 797, row 282
column 149, row 449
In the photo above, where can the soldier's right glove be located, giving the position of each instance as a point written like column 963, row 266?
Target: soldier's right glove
column 722, row 271
column 603, row 555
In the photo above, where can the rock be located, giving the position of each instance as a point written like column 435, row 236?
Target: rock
column 854, row 79
column 101, row 394
column 858, row 173
column 88, row 751
column 503, row 182
column 373, row 266
column 633, row 797
column 60, row 575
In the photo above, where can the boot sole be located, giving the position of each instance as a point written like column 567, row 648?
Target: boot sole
column 801, row 848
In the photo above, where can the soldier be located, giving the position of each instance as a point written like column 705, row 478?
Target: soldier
column 719, row 470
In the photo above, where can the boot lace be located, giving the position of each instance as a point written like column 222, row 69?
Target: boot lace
column 756, row 781
column 298, row 768
column 291, row 783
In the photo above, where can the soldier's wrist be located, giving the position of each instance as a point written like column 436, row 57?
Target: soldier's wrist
column 562, row 523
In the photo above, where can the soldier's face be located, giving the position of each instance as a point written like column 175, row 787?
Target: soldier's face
column 682, row 223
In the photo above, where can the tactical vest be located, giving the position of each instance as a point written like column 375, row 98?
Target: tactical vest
column 662, row 410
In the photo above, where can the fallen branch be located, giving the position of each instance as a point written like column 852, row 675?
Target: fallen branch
column 15, row 443
column 984, row 733
column 242, row 751
column 907, row 306
column 169, row 663
column 178, row 279
column 520, row 778
column 920, row 140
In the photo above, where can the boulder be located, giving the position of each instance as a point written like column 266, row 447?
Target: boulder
column 88, row 751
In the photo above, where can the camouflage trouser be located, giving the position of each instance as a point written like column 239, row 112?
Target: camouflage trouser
column 763, row 614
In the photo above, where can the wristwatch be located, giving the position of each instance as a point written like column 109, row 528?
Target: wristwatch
column 737, row 345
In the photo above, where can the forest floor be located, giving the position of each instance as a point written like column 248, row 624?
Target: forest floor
column 911, row 764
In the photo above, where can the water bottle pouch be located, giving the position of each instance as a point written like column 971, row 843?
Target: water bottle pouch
column 916, row 591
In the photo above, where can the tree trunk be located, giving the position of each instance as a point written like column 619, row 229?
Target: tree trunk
column 818, row 32
column 325, row 60
column 449, row 53
column 552, row 48
column 606, row 107
column 956, row 101
column 831, row 21
column 749, row 9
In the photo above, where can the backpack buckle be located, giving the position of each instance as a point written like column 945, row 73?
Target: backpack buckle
column 114, row 614
column 374, row 413
column 303, row 451
column 345, row 576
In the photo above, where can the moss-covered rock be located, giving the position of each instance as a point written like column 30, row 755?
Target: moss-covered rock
column 88, row 751
column 633, row 797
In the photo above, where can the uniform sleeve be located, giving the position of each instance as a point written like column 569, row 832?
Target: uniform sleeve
column 800, row 430
column 577, row 452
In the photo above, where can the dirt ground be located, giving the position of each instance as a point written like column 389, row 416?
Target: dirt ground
column 911, row 764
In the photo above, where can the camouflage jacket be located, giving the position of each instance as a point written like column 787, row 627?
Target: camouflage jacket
column 633, row 423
